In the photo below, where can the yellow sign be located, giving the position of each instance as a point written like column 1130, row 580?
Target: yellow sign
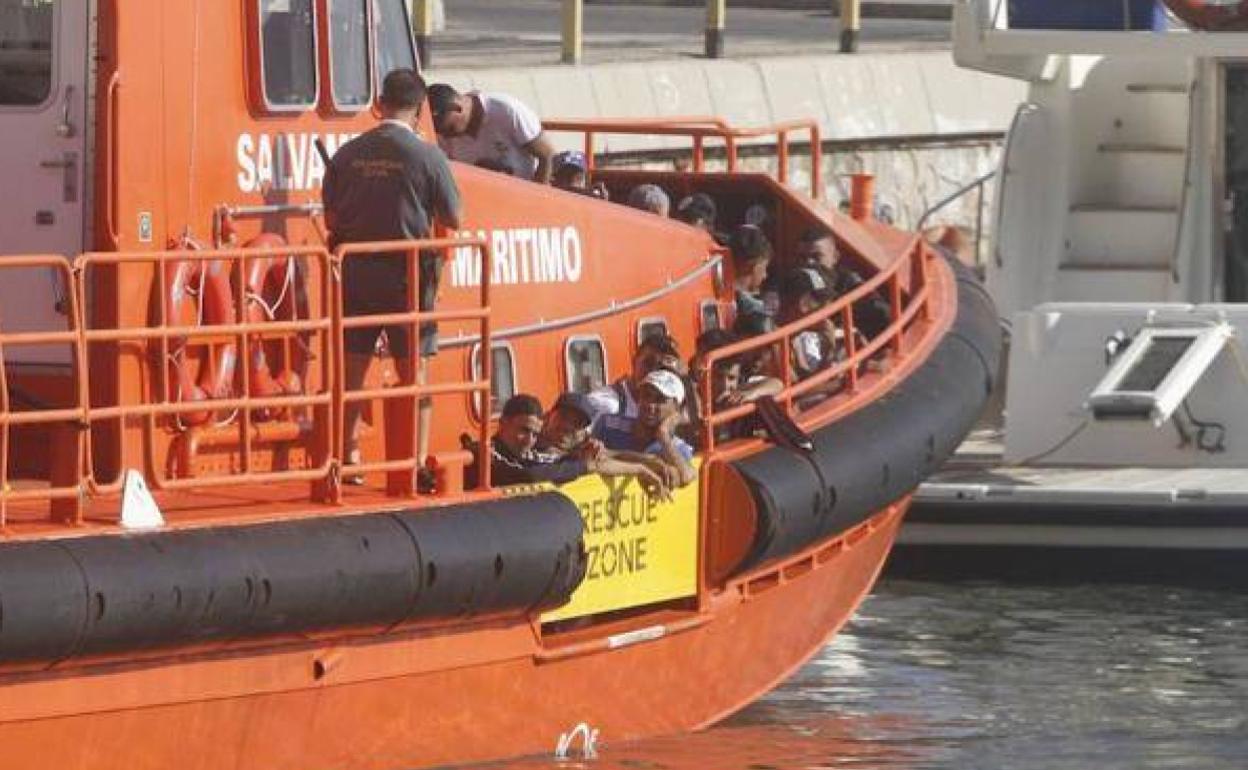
column 639, row 551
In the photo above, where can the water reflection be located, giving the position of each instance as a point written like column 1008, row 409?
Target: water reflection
column 821, row 743
column 989, row 676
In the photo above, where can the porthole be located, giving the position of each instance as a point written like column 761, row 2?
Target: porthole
column 585, row 359
column 502, row 377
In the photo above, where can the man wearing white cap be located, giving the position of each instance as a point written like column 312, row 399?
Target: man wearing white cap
column 660, row 396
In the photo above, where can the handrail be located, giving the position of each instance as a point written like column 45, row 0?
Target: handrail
column 916, row 259
column 224, row 214
column 110, row 159
column 936, row 208
column 713, row 262
column 413, row 318
column 978, row 184
column 1185, row 190
column 699, row 129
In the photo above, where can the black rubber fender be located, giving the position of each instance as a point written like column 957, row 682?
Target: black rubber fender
column 113, row 593
column 522, row 553
column 881, row 452
column 786, row 485
column 42, row 602
column 374, row 579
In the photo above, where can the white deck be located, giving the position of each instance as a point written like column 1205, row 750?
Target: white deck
column 977, row 474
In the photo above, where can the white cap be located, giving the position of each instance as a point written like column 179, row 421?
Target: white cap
column 670, row 385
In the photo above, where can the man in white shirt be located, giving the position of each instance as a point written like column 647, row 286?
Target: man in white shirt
column 497, row 129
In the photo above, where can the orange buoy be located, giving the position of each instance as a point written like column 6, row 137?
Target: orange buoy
column 271, row 283
column 199, row 294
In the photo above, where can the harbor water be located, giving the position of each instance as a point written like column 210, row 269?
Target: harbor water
column 948, row 675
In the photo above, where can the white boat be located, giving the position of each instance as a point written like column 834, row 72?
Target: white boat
column 1117, row 260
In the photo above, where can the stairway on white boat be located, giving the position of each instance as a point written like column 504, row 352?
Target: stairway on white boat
column 1131, row 138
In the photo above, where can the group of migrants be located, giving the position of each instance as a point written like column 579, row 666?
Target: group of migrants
column 390, row 184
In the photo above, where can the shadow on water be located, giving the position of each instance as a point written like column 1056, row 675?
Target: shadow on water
column 983, row 675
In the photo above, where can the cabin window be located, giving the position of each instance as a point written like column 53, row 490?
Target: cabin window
column 710, row 315
column 503, row 377
column 26, row 51
column 288, row 45
column 350, row 70
column 586, row 364
column 395, row 48
column 650, row 327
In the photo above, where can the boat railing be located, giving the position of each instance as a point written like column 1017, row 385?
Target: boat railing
column 170, row 339
column 905, row 286
column 976, row 186
column 66, row 420
column 700, row 129
column 158, row 345
column 402, row 468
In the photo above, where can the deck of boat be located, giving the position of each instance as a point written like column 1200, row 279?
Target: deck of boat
column 978, row 473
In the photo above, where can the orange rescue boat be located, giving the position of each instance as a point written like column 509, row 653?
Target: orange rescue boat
column 186, row 581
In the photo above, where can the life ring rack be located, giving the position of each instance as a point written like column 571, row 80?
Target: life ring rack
column 1211, row 15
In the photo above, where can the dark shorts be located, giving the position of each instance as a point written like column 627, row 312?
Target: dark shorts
column 378, row 285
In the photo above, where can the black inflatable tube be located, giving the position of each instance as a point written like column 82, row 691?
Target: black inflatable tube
column 80, row 596
column 873, row 457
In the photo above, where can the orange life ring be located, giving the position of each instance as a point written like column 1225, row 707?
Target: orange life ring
column 274, row 288
column 1201, row 14
column 199, row 294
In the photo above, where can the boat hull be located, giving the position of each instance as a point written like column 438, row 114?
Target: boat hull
column 1074, row 541
column 421, row 700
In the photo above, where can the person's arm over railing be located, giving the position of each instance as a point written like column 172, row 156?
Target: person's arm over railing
column 655, row 485
column 670, row 449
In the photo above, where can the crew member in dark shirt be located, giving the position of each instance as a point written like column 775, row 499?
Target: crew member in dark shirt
column 389, row 184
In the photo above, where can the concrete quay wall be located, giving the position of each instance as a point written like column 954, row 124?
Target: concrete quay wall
column 920, row 123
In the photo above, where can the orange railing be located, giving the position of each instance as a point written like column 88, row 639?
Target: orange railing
column 412, row 320
column 324, row 394
column 905, row 286
column 65, row 491
column 244, row 335
column 701, row 128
